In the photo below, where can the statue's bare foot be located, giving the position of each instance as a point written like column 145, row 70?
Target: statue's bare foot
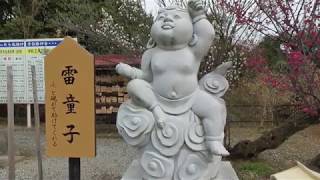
column 161, row 124
column 159, row 116
column 217, row 148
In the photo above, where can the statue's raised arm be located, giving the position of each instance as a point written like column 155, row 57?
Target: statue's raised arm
column 203, row 32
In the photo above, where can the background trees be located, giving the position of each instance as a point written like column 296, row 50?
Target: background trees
column 232, row 40
column 18, row 18
column 116, row 26
column 288, row 60
column 293, row 29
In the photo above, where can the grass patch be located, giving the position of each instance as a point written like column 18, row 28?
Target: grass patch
column 253, row 169
column 256, row 168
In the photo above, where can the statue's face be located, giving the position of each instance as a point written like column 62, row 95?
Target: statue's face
column 171, row 28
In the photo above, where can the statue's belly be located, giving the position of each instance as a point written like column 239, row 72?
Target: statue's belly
column 174, row 73
column 175, row 86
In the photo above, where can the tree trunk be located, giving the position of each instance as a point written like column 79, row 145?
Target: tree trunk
column 316, row 162
column 271, row 139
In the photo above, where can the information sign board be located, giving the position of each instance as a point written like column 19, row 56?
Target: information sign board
column 21, row 54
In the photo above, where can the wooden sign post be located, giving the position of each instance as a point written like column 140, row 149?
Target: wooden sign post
column 70, row 104
column 10, row 106
column 37, row 121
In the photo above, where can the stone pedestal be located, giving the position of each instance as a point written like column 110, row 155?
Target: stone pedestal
column 226, row 172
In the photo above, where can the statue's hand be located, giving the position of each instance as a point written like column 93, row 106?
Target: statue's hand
column 196, row 8
column 124, row 69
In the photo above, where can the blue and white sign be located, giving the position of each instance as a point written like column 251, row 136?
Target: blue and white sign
column 21, row 54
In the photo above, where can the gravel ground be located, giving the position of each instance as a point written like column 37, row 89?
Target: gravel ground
column 114, row 156
column 302, row 146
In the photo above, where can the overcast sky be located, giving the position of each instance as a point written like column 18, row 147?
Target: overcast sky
column 151, row 6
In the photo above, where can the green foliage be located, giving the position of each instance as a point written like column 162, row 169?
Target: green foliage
column 273, row 53
column 5, row 10
column 27, row 19
column 75, row 18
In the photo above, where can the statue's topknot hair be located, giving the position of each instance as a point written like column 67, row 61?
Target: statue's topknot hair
column 177, row 8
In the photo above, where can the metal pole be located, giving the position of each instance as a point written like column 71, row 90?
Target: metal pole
column 74, row 168
column 10, row 109
column 37, row 121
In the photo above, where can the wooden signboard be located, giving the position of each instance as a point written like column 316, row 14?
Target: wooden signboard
column 70, row 101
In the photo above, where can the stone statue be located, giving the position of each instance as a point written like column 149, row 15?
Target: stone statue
column 176, row 121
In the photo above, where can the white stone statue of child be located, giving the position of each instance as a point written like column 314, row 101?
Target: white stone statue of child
column 167, row 81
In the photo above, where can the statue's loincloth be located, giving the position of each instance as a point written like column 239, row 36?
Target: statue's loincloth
column 177, row 106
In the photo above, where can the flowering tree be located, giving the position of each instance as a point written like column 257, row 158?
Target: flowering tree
column 129, row 30
column 232, row 40
column 295, row 23
column 117, row 26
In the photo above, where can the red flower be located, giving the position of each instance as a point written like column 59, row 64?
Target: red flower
column 295, row 60
column 295, row 56
column 309, row 110
column 258, row 64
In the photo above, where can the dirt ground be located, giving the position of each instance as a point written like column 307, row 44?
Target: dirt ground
column 302, row 147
